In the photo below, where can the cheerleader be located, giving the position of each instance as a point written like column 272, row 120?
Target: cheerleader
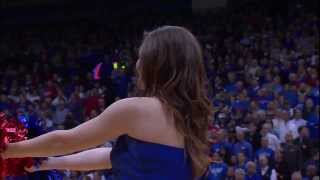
column 161, row 133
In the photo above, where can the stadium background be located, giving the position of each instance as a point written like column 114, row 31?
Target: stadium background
column 49, row 52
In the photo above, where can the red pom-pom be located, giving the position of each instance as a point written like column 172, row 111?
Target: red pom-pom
column 12, row 131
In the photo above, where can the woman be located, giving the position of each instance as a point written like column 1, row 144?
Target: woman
column 161, row 135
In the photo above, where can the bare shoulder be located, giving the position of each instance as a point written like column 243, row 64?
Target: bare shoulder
column 138, row 104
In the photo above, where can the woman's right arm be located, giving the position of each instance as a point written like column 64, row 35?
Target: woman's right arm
column 116, row 120
column 94, row 159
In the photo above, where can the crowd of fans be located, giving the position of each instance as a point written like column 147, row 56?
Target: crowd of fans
column 263, row 82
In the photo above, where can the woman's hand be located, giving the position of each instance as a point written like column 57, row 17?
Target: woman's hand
column 31, row 169
column 93, row 159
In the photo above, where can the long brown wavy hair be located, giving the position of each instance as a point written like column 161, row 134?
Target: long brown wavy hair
column 171, row 68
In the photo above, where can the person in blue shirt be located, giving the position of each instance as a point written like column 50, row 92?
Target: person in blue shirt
column 241, row 161
column 251, row 169
column 291, row 95
column 242, row 102
column 231, row 87
column 217, row 169
column 264, row 98
column 222, row 145
column 242, row 146
column 265, row 150
column 313, row 124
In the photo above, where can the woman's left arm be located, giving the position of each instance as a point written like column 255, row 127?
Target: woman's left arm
column 93, row 159
column 113, row 122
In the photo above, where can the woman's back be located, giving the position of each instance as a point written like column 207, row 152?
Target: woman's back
column 153, row 149
column 153, row 124
column 135, row 159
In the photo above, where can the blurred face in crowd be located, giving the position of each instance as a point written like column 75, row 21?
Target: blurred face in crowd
column 311, row 170
column 240, row 136
column 303, row 87
column 277, row 156
column 252, row 127
column 231, row 77
column 285, row 115
column 239, row 174
column 241, row 158
column 22, row 99
column 263, row 161
column 289, row 138
column 61, row 104
column 93, row 113
column 304, row 132
column 102, row 103
column 254, row 82
column 239, row 84
column 216, row 157
column 230, row 172
column 265, row 129
column 296, row 176
column 251, row 168
column 221, row 134
column 261, row 115
column 253, row 105
column 309, row 103
column 298, row 114
column 292, row 77
column 272, row 106
column 264, row 142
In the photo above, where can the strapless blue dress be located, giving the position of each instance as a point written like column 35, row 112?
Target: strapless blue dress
column 134, row 159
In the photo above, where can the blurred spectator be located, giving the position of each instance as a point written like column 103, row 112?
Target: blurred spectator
column 217, row 169
column 265, row 169
column 297, row 121
column 60, row 113
column 252, row 174
column 281, row 166
column 273, row 140
column 282, row 126
column 222, row 145
column 311, row 172
column 239, row 174
column 291, row 154
column 241, row 160
column 242, row 146
column 265, row 150
column 230, row 173
column 296, row 176
column 303, row 141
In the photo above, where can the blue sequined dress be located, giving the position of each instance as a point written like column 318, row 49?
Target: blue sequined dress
column 134, row 159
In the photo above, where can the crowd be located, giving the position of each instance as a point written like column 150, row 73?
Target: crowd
column 263, row 83
column 266, row 98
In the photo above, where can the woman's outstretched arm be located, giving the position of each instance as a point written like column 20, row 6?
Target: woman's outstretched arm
column 113, row 122
column 94, row 159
